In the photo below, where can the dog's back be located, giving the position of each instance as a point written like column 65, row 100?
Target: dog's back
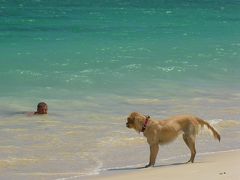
column 188, row 125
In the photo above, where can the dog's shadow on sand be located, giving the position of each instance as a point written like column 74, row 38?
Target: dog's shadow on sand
column 143, row 167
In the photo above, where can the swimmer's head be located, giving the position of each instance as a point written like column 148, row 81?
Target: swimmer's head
column 42, row 108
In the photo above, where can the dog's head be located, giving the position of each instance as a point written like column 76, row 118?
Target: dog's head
column 135, row 121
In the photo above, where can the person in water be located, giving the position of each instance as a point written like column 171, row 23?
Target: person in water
column 42, row 108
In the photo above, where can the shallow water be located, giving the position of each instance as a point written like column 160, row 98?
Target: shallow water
column 79, row 142
column 95, row 62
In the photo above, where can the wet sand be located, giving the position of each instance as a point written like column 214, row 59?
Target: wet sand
column 217, row 166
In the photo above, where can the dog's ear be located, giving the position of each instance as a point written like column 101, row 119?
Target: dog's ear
column 147, row 116
column 137, row 123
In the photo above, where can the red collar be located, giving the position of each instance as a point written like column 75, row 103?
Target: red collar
column 145, row 123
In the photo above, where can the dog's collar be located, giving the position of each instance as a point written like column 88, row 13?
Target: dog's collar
column 145, row 123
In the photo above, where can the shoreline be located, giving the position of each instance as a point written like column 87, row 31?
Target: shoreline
column 223, row 165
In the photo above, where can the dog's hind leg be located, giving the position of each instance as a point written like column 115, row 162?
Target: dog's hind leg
column 190, row 142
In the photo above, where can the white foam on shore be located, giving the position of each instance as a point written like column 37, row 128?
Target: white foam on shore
column 224, row 123
column 215, row 121
column 95, row 171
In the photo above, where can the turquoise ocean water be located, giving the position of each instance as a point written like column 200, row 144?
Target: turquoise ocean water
column 94, row 62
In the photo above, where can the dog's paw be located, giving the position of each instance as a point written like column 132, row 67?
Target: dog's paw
column 149, row 165
column 188, row 162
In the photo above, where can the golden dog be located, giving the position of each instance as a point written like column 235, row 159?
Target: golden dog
column 165, row 131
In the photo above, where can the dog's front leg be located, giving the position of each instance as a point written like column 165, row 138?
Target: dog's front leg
column 153, row 154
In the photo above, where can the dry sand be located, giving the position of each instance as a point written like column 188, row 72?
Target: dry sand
column 215, row 166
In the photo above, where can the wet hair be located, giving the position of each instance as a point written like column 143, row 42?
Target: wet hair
column 41, row 104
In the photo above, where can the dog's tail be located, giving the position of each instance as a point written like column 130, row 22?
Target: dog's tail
column 215, row 133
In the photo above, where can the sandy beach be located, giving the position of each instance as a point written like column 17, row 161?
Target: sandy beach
column 216, row 166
